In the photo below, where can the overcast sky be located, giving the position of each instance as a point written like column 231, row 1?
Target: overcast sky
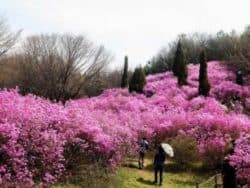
column 138, row 28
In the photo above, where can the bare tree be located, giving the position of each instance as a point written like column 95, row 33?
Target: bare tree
column 9, row 71
column 60, row 66
column 241, row 58
column 81, row 56
column 7, row 37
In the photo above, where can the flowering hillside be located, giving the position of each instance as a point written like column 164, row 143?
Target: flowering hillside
column 34, row 133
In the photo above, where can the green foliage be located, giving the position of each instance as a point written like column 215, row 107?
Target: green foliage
column 137, row 81
column 212, row 159
column 164, row 60
column 185, row 151
column 178, row 57
column 85, row 170
column 124, row 82
column 204, row 86
column 179, row 66
column 182, row 78
column 157, row 65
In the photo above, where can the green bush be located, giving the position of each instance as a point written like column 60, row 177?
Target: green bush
column 212, row 159
column 185, row 151
column 137, row 81
column 85, row 170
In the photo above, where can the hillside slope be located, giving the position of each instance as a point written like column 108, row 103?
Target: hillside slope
column 36, row 133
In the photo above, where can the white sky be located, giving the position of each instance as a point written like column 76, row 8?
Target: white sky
column 137, row 28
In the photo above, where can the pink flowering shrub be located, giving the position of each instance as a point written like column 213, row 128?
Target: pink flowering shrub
column 13, row 164
column 40, row 140
column 247, row 103
column 241, row 159
column 37, row 144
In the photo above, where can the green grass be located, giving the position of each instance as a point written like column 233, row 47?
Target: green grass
column 129, row 176
column 132, row 177
column 66, row 186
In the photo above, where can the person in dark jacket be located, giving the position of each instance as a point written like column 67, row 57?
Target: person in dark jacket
column 239, row 78
column 229, row 178
column 159, row 160
column 228, row 172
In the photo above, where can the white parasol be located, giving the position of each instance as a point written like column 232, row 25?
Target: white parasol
column 168, row 149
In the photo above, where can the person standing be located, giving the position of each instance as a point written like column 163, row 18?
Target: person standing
column 142, row 150
column 159, row 160
column 229, row 177
column 228, row 172
column 239, row 78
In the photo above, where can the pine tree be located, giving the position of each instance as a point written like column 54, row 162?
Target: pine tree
column 204, row 86
column 179, row 66
column 124, row 82
column 182, row 77
column 137, row 81
column 178, row 57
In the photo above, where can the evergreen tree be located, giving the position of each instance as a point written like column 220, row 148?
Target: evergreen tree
column 182, row 77
column 179, row 56
column 204, row 86
column 124, row 82
column 179, row 66
column 137, row 81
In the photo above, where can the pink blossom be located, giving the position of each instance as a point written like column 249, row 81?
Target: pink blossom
column 34, row 132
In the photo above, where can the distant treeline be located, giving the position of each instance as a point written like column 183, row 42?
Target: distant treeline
column 67, row 66
column 232, row 48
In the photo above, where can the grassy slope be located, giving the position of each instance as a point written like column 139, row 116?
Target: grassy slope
column 129, row 176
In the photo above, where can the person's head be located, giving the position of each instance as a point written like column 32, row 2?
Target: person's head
column 144, row 138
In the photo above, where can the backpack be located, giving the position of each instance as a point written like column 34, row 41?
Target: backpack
column 144, row 146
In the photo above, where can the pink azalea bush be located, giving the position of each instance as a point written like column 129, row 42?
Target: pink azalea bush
column 35, row 133
column 241, row 159
column 36, row 137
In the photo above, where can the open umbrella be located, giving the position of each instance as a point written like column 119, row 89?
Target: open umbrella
column 168, row 149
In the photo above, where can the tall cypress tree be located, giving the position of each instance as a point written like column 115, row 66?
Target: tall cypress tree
column 204, row 86
column 179, row 66
column 137, row 81
column 124, row 82
column 182, row 77
column 178, row 57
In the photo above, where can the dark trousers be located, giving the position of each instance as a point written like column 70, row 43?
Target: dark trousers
column 229, row 181
column 141, row 160
column 159, row 169
column 229, row 177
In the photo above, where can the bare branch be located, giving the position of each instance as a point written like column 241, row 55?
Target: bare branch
column 62, row 64
column 7, row 38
